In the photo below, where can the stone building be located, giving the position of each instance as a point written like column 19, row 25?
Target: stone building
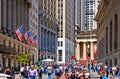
column 47, row 30
column 108, row 21
column 86, row 47
column 13, row 13
column 33, row 27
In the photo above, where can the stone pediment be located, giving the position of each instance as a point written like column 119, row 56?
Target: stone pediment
column 88, row 33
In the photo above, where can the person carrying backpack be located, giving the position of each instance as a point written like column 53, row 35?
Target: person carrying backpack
column 49, row 71
column 58, row 72
column 39, row 70
column 32, row 73
column 72, row 76
column 104, row 77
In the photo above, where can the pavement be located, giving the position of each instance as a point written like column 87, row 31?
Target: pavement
column 44, row 76
column 94, row 75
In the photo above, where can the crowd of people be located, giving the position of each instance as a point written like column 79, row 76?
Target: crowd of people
column 56, row 71
column 60, row 71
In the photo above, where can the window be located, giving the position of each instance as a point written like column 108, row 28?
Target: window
column 115, row 31
column 106, row 40
column 115, row 61
column 48, row 57
column 110, row 35
column 111, row 62
column 58, row 43
column 61, row 43
column 60, row 55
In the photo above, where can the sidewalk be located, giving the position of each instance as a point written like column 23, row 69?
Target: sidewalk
column 94, row 75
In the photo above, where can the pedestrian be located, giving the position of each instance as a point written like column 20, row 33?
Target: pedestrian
column 117, row 70
column 107, row 72
column 39, row 70
column 49, row 71
column 104, row 76
column 12, row 73
column 7, row 71
column 32, row 73
column 23, row 72
column 101, row 75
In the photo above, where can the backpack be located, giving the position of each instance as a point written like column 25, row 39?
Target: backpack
column 58, row 70
column 39, row 70
column 104, row 77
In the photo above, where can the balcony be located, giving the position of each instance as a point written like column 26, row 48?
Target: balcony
column 7, row 50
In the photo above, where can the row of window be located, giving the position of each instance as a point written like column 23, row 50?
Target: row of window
column 48, row 25
column 112, row 33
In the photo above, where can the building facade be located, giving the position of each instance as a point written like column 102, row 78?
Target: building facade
column 33, row 27
column 108, row 32
column 12, row 15
column 66, row 33
column 47, row 30
column 86, row 46
column 88, row 12
column 77, row 16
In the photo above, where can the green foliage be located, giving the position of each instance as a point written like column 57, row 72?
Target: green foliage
column 24, row 57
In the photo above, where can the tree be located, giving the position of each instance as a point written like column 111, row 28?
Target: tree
column 24, row 57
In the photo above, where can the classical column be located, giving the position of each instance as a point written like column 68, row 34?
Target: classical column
column 4, row 14
column 18, row 13
column 14, row 15
column 91, row 51
column 50, row 41
column 84, row 51
column 22, row 13
column 0, row 15
column 25, row 17
column 9, row 17
column 78, row 51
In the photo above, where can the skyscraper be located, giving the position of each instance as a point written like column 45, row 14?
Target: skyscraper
column 65, row 17
column 88, row 12
column 77, row 16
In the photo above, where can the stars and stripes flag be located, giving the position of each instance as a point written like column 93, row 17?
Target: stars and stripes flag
column 34, row 40
column 73, row 57
column 19, row 32
column 27, row 37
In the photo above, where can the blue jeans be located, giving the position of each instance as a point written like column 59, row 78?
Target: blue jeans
column 49, row 75
column 32, row 77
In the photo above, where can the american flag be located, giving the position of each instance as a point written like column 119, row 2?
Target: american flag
column 34, row 40
column 73, row 57
column 19, row 32
column 27, row 37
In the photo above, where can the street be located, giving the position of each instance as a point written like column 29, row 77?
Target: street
column 94, row 75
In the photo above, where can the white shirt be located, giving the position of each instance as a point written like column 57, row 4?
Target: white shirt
column 49, row 69
column 21, row 69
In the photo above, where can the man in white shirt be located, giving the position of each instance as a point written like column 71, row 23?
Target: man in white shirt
column 49, row 70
